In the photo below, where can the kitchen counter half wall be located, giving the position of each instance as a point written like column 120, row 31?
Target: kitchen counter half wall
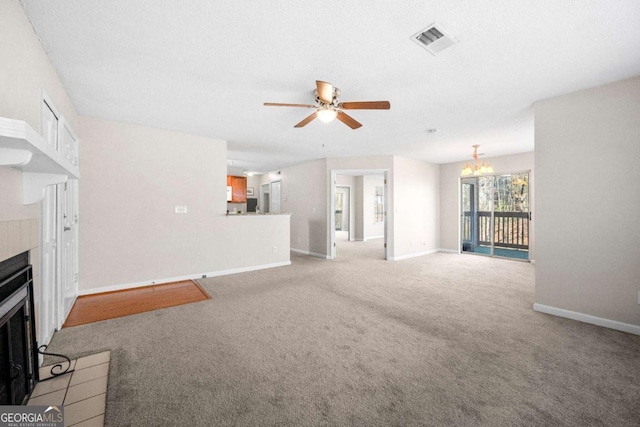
column 220, row 246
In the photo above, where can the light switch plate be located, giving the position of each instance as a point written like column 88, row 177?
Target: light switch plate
column 181, row 209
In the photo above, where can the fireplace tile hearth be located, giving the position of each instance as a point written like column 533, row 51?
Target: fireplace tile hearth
column 82, row 392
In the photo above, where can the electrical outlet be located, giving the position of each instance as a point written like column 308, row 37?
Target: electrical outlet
column 181, row 209
column 275, row 249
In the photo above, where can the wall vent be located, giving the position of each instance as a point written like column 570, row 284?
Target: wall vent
column 434, row 39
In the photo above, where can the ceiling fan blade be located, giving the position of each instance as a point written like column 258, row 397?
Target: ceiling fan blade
column 365, row 105
column 306, row 121
column 348, row 120
column 278, row 104
column 325, row 91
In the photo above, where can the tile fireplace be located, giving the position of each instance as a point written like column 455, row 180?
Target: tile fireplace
column 18, row 354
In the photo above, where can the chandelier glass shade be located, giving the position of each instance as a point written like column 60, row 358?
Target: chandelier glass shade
column 477, row 168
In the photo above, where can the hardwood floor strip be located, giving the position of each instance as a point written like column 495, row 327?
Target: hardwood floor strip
column 110, row 305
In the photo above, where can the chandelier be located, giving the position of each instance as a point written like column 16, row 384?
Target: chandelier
column 477, row 168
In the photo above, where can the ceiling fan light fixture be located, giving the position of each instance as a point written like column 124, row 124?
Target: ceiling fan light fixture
column 328, row 106
column 326, row 115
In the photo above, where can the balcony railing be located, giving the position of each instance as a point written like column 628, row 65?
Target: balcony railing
column 511, row 229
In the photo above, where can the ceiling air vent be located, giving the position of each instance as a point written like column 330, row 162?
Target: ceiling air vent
column 434, row 39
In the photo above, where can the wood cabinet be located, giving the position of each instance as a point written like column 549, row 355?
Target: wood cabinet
column 238, row 186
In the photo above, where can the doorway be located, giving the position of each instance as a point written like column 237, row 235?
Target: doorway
column 275, row 197
column 264, row 198
column 495, row 215
column 358, row 213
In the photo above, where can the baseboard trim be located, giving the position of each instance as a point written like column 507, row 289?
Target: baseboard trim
column 304, row 252
column 372, row 238
column 449, row 251
column 414, row 255
column 587, row 318
column 152, row 282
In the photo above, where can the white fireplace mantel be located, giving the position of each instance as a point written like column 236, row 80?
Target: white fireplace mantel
column 23, row 148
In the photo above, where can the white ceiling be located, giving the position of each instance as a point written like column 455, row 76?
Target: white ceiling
column 205, row 67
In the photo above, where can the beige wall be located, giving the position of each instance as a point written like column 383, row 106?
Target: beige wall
column 25, row 70
column 415, row 208
column 132, row 179
column 412, row 184
column 358, row 208
column 355, row 204
column 304, row 195
column 588, row 238
column 450, row 197
column 370, row 228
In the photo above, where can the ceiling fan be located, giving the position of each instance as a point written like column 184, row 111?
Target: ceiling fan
column 329, row 107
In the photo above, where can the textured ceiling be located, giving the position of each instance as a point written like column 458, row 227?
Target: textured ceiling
column 205, row 67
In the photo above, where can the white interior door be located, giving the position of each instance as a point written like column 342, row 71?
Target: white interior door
column 59, row 232
column 49, row 267
column 68, row 249
column 68, row 223
column 47, row 320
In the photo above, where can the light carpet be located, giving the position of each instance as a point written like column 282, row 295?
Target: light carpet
column 442, row 339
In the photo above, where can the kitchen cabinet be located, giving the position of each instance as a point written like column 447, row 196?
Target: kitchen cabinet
column 238, row 186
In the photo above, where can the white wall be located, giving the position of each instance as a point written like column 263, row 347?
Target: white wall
column 588, row 237
column 450, row 196
column 132, row 178
column 358, row 207
column 304, row 196
column 412, row 226
column 415, row 208
column 355, row 223
column 370, row 228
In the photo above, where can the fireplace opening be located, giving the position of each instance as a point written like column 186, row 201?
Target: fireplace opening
column 18, row 355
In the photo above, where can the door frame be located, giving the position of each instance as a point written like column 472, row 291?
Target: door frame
column 331, row 208
column 52, row 223
column 492, row 218
column 349, row 204
column 264, row 207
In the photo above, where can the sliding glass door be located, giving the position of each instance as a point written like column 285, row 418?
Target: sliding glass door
column 495, row 215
